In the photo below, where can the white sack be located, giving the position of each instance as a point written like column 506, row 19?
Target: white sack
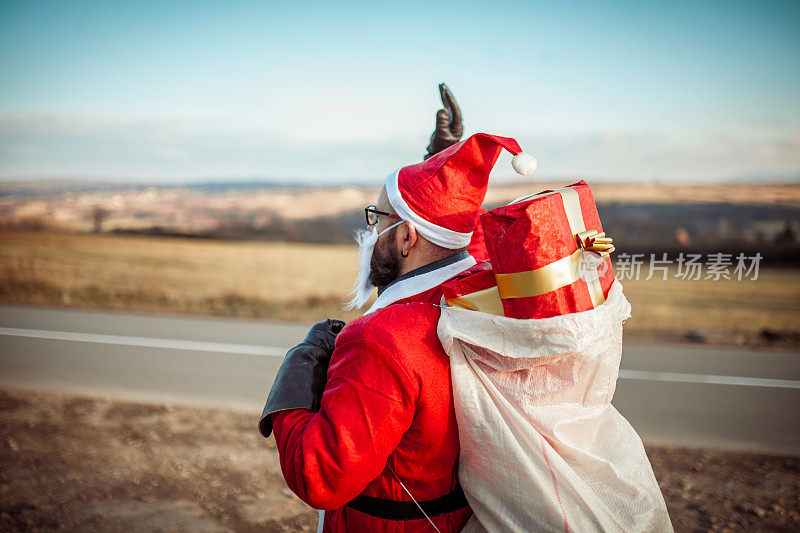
column 542, row 448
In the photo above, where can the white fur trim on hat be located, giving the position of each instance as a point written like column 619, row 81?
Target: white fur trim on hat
column 446, row 238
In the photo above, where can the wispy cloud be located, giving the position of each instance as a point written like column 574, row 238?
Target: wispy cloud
column 649, row 155
column 64, row 146
column 57, row 145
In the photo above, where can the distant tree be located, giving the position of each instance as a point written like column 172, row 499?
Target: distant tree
column 787, row 235
column 99, row 215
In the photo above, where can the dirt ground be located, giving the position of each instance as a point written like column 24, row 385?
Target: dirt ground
column 102, row 465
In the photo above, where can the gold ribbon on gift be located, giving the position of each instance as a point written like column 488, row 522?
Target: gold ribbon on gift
column 560, row 273
column 572, row 207
column 555, row 275
column 485, row 301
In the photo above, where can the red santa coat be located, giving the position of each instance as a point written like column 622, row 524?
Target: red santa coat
column 388, row 403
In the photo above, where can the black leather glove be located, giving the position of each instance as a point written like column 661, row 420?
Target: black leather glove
column 449, row 128
column 303, row 374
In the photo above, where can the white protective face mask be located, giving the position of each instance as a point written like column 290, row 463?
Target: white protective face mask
column 362, row 288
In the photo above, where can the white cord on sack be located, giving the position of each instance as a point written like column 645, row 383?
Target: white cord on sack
column 413, row 499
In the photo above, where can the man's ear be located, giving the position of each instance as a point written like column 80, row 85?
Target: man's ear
column 409, row 238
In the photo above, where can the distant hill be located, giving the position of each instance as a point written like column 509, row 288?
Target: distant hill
column 642, row 218
column 56, row 187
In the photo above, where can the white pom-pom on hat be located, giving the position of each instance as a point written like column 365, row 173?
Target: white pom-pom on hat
column 524, row 164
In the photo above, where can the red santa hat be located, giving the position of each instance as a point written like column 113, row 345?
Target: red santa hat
column 442, row 195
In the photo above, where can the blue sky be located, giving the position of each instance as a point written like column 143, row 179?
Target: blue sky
column 346, row 91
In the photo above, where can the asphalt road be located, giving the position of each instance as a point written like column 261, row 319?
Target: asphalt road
column 729, row 398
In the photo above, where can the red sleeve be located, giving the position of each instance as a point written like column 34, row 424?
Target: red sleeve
column 328, row 458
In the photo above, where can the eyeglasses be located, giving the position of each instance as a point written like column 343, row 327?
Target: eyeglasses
column 373, row 215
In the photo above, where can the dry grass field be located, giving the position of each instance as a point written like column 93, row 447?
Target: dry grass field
column 192, row 276
column 302, row 282
column 726, row 311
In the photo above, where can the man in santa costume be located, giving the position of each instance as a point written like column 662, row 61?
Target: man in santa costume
column 363, row 414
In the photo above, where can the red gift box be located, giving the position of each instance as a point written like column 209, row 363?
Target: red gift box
column 549, row 257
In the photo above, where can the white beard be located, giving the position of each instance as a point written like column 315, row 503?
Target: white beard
column 362, row 288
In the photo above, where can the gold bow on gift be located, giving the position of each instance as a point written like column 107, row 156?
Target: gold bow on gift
column 595, row 241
